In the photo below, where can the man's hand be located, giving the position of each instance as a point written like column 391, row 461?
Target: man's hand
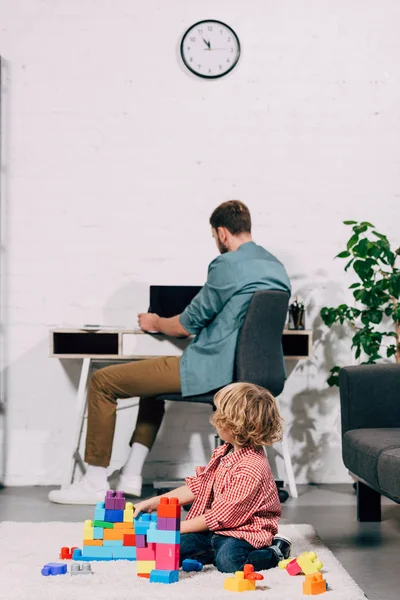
column 149, row 322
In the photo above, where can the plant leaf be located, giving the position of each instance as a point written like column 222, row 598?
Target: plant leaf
column 350, row 222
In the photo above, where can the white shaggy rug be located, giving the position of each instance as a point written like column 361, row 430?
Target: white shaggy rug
column 26, row 547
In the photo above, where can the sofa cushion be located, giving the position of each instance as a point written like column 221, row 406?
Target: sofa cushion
column 362, row 449
column 389, row 473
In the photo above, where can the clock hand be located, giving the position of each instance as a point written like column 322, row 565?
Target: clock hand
column 206, row 43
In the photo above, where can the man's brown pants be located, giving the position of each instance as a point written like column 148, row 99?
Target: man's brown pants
column 143, row 378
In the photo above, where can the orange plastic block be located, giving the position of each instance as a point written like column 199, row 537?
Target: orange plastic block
column 146, row 575
column 123, row 525
column 92, row 542
column 113, row 534
column 243, row 581
column 314, row 584
column 169, row 507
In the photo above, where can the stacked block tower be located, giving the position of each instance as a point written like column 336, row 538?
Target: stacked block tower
column 111, row 535
column 158, row 542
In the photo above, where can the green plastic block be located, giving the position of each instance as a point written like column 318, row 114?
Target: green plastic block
column 103, row 524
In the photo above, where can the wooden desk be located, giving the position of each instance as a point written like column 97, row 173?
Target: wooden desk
column 106, row 344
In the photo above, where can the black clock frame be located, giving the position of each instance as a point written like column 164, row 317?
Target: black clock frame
column 201, row 74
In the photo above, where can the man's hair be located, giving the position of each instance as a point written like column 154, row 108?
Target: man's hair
column 250, row 412
column 234, row 215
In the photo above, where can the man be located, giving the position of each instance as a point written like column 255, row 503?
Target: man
column 214, row 317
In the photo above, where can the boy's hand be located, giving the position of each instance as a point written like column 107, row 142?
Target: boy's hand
column 147, row 506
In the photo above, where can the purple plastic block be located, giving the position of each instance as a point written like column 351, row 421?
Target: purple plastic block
column 172, row 524
column 54, row 569
column 140, row 541
column 119, row 500
column 162, row 523
column 109, row 500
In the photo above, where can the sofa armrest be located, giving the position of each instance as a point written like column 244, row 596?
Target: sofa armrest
column 370, row 396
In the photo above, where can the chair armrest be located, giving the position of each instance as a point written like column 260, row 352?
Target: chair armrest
column 370, row 396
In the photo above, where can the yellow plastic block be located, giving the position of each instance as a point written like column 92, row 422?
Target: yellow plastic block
column 123, row 525
column 92, row 542
column 282, row 564
column 113, row 534
column 239, row 584
column 314, row 584
column 88, row 530
column 309, row 563
column 145, row 566
column 128, row 516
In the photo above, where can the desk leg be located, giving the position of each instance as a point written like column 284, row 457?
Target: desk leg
column 80, row 418
column 288, row 466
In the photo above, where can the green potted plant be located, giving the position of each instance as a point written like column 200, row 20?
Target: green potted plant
column 375, row 318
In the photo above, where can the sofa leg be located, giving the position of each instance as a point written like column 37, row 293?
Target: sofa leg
column 368, row 503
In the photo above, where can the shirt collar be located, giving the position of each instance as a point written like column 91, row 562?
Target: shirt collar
column 234, row 457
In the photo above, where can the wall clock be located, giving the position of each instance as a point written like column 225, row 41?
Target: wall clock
column 210, row 49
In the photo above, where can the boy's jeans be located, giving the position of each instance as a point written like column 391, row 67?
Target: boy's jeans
column 228, row 554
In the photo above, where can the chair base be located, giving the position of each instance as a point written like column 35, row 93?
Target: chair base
column 368, row 503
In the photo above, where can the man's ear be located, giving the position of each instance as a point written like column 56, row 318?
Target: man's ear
column 222, row 234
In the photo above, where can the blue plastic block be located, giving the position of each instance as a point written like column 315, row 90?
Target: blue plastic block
column 54, row 569
column 77, row 555
column 99, row 514
column 113, row 543
column 143, row 523
column 189, row 564
column 124, row 552
column 98, row 533
column 158, row 576
column 99, row 551
column 163, row 537
column 114, row 516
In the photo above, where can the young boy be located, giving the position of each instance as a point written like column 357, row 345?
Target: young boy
column 235, row 511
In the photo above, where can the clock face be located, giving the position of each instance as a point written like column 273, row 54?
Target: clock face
column 210, row 49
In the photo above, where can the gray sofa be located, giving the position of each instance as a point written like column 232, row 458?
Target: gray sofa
column 370, row 403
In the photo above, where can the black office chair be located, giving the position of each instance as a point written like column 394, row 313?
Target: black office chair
column 259, row 356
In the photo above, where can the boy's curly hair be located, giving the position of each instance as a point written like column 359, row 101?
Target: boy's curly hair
column 250, row 412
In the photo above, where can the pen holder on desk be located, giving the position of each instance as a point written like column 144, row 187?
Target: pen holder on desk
column 296, row 317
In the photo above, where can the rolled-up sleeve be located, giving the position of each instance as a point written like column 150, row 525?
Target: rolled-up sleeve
column 234, row 505
column 194, row 482
column 221, row 285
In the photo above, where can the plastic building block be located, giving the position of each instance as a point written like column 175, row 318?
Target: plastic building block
column 98, row 533
column 66, row 553
column 54, row 569
column 146, row 575
column 114, row 516
column 129, row 540
column 112, row 543
column 162, row 523
column 144, row 566
column 293, row 568
column 81, row 569
column 88, row 530
column 172, row 524
column 157, row 576
column 167, row 550
column 189, row 564
column 282, row 564
column 309, row 563
column 165, row 563
column 92, row 542
column 113, row 534
column 128, row 512
column 140, row 540
column 148, row 553
column 103, row 524
column 169, row 507
column 124, row 553
column 314, row 584
column 243, row 581
column 124, row 525
column 99, row 511
column 119, row 500
column 102, row 552
column 110, row 500
column 163, row 537
column 142, row 524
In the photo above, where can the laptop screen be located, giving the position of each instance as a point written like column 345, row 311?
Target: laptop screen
column 170, row 300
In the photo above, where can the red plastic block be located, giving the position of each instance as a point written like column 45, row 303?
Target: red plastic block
column 146, row 575
column 169, row 507
column 129, row 539
column 66, row 553
column 293, row 568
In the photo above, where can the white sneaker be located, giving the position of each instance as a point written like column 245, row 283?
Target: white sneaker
column 131, row 485
column 79, row 492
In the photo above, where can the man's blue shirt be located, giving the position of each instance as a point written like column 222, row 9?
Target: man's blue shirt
column 216, row 314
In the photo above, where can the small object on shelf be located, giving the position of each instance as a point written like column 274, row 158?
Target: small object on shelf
column 296, row 315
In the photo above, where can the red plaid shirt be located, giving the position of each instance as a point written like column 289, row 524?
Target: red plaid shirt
column 237, row 495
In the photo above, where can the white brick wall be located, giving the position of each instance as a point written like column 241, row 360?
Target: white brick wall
column 114, row 157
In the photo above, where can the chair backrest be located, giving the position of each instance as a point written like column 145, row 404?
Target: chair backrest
column 259, row 354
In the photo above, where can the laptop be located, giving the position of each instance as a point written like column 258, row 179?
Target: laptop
column 170, row 300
